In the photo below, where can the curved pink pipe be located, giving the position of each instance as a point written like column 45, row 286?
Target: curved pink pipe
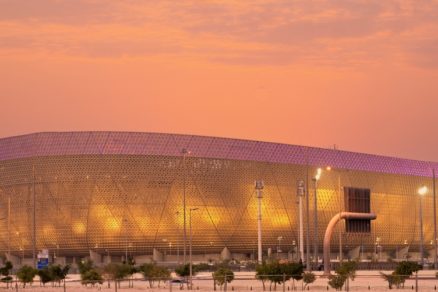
column 330, row 228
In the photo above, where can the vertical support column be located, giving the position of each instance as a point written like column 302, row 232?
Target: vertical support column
column 421, row 232
column 259, row 190
column 9, row 224
column 315, row 227
column 308, row 265
column 34, row 255
column 300, row 193
column 184, row 153
column 435, row 264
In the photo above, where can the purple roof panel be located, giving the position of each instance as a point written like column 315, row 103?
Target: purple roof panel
column 127, row 143
column 200, row 145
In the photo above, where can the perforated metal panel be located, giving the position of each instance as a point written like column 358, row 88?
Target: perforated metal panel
column 112, row 191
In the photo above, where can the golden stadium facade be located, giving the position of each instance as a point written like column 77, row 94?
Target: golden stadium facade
column 119, row 192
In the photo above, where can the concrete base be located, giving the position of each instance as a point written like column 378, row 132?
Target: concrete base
column 225, row 254
column 157, row 256
column 95, row 257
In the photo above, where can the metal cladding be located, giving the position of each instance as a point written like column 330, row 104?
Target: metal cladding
column 118, row 191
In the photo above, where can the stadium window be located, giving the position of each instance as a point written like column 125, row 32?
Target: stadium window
column 357, row 200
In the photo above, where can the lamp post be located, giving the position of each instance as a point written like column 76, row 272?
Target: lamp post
column 338, row 171
column 259, row 189
column 435, row 264
column 315, row 180
column 280, row 238
column 301, row 191
column 190, row 242
column 421, row 191
column 294, row 246
column 184, row 153
column 178, row 238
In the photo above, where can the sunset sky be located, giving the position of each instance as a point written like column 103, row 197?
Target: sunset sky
column 359, row 74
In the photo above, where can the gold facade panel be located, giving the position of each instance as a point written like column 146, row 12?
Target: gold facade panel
column 109, row 202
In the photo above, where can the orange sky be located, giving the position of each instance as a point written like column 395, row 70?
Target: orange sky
column 359, row 74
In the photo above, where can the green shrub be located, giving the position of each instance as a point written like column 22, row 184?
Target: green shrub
column 308, row 278
column 151, row 272
column 6, row 271
column 337, row 281
column 222, row 275
column 89, row 274
column 26, row 274
column 91, row 277
column 392, row 279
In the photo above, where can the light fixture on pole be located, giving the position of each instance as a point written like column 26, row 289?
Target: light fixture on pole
column 178, row 237
column 315, row 180
column 421, row 191
column 280, row 238
column 435, row 243
column 301, row 191
column 190, row 248
column 184, row 153
column 259, row 185
column 338, row 171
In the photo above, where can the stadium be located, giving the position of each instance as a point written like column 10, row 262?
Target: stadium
column 118, row 194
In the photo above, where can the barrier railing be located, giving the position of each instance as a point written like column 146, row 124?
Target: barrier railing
column 370, row 281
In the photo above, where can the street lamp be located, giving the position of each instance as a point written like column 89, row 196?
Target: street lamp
column 421, row 191
column 338, row 171
column 190, row 242
column 280, row 238
column 178, row 237
column 259, row 185
column 294, row 246
column 315, row 215
column 184, row 153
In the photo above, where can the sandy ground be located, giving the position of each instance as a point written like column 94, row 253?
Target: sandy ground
column 244, row 281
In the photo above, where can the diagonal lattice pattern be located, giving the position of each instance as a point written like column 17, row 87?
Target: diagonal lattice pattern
column 113, row 190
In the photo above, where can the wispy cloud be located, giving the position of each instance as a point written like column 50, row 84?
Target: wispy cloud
column 319, row 32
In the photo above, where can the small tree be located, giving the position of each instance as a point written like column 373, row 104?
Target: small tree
column 275, row 275
column 6, row 272
column 160, row 274
column 223, row 275
column 58, row 273
column 308, row 278
column 132, row 271
column 115, row 272
column 184, row 271
column 26, row 274
column 44, row 275
column 392, row 279
column 89, row 274
column 405, row 269
column 92, row 277
column 337, row 281
column 295, row 270
column 262, row 272
column 348, row 270
column 148, row 273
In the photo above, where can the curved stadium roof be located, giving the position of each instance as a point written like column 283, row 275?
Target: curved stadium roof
column 133, row 143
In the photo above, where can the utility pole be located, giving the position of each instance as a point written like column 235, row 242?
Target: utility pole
column 190, row 247
column 259, row 185
column 301, row 190
column 434, row 221
column 308, row 267
column 315, row 215
column 34, row 218
column 9, row 225
column 184, row 153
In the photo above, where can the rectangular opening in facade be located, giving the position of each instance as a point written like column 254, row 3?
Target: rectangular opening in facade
column 357, row 200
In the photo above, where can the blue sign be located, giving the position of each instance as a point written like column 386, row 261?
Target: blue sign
column 42, row 263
